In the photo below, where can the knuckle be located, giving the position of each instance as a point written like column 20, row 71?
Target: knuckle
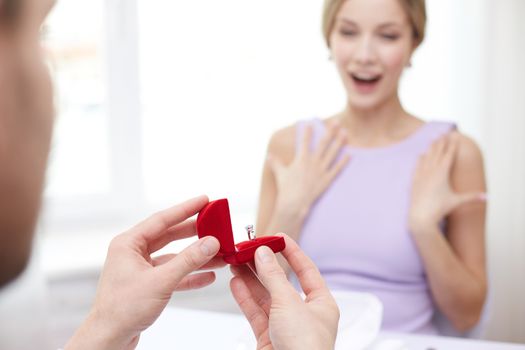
column 158, row 219
column 191, row 283
column 253, row 316
column 191, row 259
column 275, row 273
column 265, row 302
column 117, row 242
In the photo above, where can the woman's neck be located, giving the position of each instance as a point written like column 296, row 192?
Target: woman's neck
column 386, row 123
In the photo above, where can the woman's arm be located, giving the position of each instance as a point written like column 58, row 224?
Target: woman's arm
column 273, row 215
column 454, row 262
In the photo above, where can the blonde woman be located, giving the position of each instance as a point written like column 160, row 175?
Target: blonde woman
column 382, row 201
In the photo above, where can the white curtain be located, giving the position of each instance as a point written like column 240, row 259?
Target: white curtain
column 472, row 65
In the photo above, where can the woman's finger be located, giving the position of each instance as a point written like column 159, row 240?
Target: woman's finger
column 437, row 151
column 326, row 140
column 337, row 168
column 304, row 147
column 422, row 163
column 275, row 164
column 466, row 198
column 334, row 149
column 450, row 152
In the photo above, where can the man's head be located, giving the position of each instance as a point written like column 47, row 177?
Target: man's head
column 26, row 120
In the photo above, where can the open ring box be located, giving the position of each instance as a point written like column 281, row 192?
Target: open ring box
column 214, row 220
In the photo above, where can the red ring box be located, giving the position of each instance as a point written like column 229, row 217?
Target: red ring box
column 214, row 220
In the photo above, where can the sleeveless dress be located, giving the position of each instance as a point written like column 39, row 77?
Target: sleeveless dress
column 357, row 230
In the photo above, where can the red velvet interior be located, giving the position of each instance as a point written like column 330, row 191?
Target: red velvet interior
column 214, row 220
column 246, row 250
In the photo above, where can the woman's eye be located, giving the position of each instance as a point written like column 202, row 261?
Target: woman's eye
column 348, row 32
column 390, row 37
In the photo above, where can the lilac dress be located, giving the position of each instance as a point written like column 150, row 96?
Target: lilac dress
column 357, row 231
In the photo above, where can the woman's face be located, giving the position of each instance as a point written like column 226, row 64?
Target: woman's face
column 371, row 43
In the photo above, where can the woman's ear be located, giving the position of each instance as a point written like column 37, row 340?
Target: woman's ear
column 408, row 64
column 330, row 53
column 415, row 45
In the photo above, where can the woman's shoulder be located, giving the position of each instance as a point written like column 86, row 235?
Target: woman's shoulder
column 467, row 173
column 467, row 147
column 469, row 153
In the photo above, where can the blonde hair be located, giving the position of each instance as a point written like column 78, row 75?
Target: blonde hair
column 415, row 10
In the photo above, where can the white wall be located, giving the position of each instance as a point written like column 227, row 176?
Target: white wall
column 503, row 122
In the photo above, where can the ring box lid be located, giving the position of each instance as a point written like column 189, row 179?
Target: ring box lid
column 214, row 220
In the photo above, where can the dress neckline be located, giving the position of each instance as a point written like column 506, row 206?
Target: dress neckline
column 406, row 142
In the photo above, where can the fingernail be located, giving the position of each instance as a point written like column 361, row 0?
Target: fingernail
column 264, row 254
column 209, row 246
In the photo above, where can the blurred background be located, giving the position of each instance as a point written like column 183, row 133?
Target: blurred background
column 159, row 101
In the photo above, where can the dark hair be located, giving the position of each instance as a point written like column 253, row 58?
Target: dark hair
column 9, row 10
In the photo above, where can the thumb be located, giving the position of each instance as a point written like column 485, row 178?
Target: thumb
column 271, row 274
column 188, row 261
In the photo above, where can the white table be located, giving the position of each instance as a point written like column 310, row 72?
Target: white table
column 179, row 328
column 401, row 341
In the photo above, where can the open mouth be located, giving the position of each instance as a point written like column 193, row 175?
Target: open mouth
column 365, row 82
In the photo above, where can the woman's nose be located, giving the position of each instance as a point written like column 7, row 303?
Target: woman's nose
column 365, row 52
